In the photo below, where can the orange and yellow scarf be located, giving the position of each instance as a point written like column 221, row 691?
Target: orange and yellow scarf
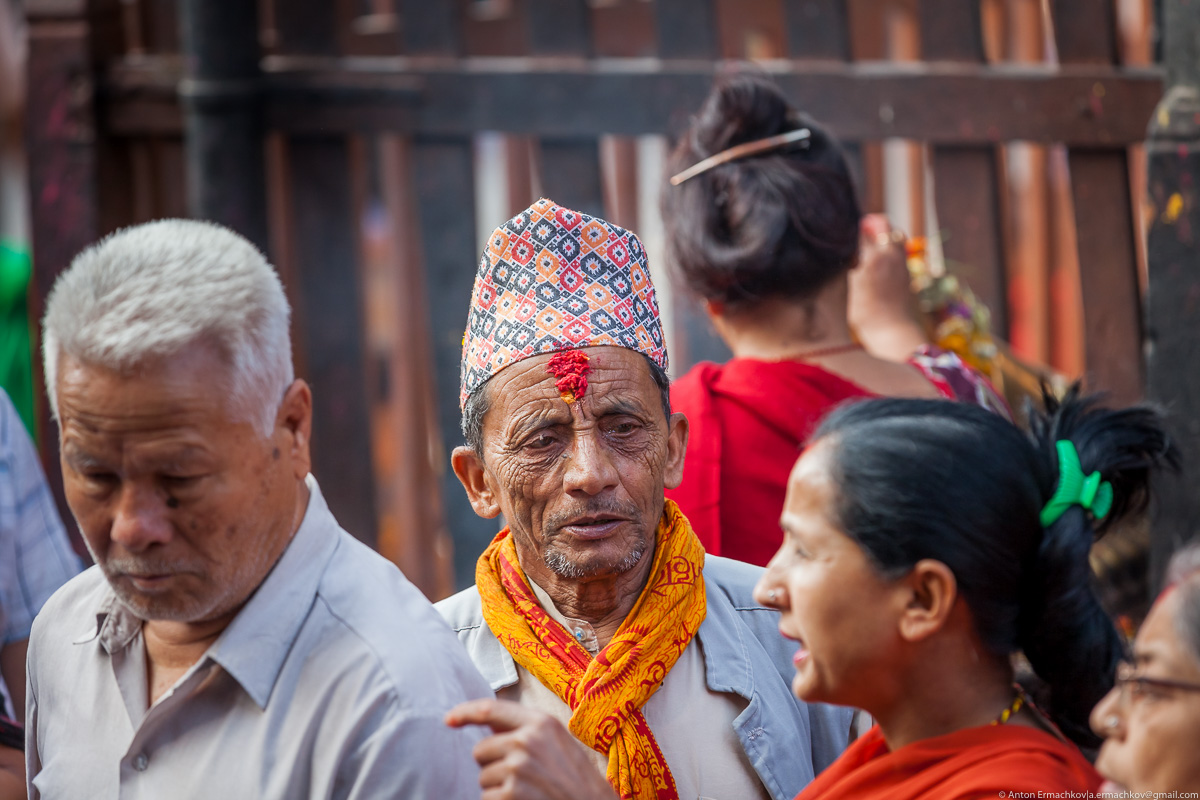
column 606, row 693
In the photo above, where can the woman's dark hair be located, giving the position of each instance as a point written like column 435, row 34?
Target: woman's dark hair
column 955, row 483
column 780, row 224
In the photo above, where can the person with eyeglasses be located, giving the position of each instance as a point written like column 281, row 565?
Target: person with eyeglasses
column 1150, row 720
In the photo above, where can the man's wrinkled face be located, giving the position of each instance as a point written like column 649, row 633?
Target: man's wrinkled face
column 581, row 483
column 184, row 505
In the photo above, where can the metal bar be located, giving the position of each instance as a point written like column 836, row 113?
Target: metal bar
column 226, row 167
column 977, row 104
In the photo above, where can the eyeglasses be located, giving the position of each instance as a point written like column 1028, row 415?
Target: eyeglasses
column 1133, row 686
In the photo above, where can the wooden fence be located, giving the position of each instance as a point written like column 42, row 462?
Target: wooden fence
column 345, row 137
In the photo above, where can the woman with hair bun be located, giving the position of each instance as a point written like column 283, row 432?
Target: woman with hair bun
column 925, row 544
column 1151, row 720
column 764, row 225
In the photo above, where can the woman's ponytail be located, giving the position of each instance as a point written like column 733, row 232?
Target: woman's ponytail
column 1065, row 633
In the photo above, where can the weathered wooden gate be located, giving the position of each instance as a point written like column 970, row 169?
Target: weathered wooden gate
column 347, row 137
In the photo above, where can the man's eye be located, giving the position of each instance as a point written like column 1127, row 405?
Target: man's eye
column 540, row 442
column 181, row 480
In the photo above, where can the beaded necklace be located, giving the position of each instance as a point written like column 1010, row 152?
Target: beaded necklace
column 1007, row 713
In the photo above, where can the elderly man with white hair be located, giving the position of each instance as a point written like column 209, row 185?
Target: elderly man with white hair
column 232, row 641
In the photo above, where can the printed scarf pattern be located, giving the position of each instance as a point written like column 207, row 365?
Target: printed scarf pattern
column 606, row 693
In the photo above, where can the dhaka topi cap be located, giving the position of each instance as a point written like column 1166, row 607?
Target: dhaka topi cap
column 553, row 280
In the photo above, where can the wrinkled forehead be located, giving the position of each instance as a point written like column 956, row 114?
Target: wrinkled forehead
column 616, row 380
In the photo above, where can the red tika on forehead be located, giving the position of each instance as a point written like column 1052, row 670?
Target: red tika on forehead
column 571, row 369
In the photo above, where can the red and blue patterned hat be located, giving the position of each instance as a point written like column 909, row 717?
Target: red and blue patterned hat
column 552, row 279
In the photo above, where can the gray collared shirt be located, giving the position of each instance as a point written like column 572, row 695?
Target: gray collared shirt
column 331, row 682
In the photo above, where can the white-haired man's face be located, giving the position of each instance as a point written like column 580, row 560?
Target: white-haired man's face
column 183, row 504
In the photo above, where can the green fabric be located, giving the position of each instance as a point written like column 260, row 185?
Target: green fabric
column 16, row 354
column 1075, row 489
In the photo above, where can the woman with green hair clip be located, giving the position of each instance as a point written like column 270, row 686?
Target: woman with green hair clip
column 928, row 542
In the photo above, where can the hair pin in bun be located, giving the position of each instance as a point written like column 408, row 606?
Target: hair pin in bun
column 744, row 150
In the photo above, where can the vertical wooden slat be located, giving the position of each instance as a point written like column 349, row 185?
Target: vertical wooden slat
column 951, row 30
column 324, row 220
column 430, row 28
column 1111, row 310
column 226, row 164
column 559, row 27
column 966, row 180
column 445, row 184
column 1085, row 31
column 160, row 25
column 1173, row 293
column 416, row 538
column 965, row 186
column 620, row 166
column 686, row 28
column 571, row 174
column 326, row 263
column 623, row 30
column 62, row 158
column 817, row 29
column 306, row 26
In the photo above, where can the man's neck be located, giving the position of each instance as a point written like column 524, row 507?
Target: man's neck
column 173, row 647
column 602, row 601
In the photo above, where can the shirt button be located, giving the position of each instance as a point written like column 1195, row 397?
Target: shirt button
column 579, row 634
column 140, row 762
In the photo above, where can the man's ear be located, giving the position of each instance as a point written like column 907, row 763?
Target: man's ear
column 677, row 437
column 932, row 592
column 294, row 422
column 468, row 466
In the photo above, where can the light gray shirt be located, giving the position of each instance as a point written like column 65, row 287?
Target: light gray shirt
column 331, row 682
column 785, row 740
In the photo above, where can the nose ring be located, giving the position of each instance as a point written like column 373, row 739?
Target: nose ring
column 1111, row 721
column 771, row 595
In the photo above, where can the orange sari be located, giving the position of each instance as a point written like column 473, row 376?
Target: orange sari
column 606, row 693
column 975, row 763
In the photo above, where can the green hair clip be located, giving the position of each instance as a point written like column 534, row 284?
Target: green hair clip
column 1074, row 489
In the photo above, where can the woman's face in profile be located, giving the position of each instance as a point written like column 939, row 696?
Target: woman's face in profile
column 1151, row 719
column 836, row 607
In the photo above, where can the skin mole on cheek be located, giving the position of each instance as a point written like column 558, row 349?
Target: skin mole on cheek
column 172, row 502
column 275, row 454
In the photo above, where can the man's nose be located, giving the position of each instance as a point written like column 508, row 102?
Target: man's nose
column 140, row 518
column 590, row 468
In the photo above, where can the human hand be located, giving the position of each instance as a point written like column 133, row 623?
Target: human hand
column 882, row 308
column 530, row 755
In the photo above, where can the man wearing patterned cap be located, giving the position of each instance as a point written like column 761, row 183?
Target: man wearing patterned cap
column 596, row 607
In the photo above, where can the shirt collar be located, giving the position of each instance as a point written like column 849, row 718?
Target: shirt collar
column 254, row 646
